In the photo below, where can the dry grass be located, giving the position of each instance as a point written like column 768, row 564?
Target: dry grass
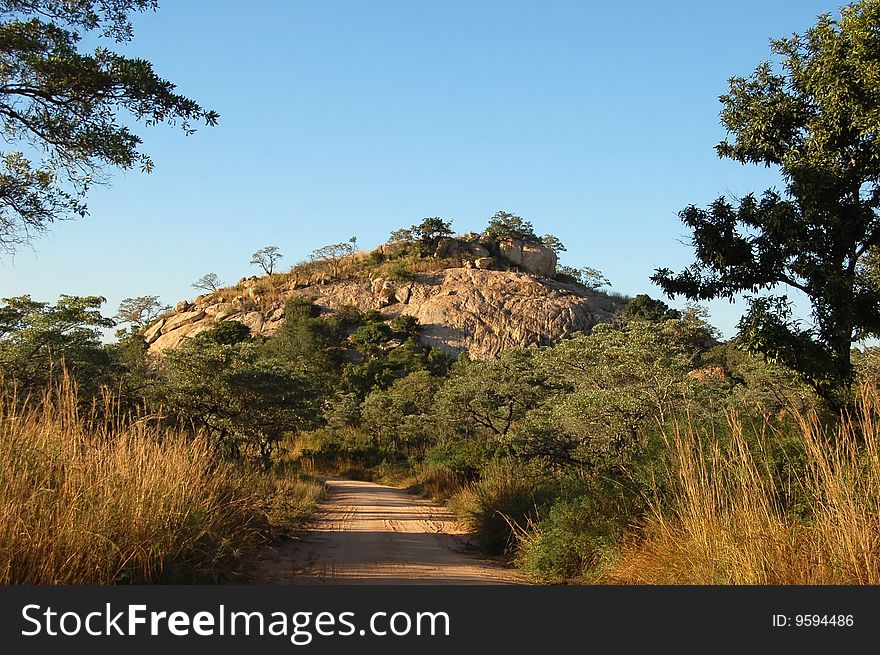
column 723, row 520
column 87, row 502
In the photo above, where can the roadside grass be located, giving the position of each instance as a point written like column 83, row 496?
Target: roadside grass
column 728, row 520
column 90, row 500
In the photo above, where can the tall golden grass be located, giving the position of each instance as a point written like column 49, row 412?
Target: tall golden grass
column 90, row 501
column 723, row 519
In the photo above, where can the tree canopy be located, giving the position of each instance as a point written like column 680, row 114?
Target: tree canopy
column 505, row 224
column 816, row 117
column 65, row 112
column 266, row 258
column 37, row 339
column 140, row 311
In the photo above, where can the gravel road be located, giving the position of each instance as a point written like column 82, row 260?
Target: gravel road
column 367, row 533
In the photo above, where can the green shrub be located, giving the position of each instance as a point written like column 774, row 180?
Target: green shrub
column 573, row 538
column 497, row 508
column 463, row 459
column 400, row 271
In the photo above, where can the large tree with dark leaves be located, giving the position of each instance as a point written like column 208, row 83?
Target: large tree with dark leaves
column 816, row 118
column 64, row 110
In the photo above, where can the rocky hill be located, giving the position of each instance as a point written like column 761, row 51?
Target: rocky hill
column 468, row 305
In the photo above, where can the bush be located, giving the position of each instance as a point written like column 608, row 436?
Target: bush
column 497, row 508
column 462, row 459
column 573, row 539
column 399, row 271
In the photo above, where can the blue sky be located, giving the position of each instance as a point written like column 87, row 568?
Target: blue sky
column 595, row 121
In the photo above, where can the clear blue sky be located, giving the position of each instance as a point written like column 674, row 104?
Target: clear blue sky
column 597, row 121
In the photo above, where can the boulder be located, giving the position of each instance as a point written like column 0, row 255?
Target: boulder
column 152, row 333
column 172, row 339
column 446, row 247
column 183, row 306
column 534, row 258
column 483, row 263
column 253, row 320
column 477, row 250
column 402, row 294
column 184, row 318
column 219, row 310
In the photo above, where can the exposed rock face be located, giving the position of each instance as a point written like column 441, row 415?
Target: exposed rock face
column 531, row 257
column 459, row 309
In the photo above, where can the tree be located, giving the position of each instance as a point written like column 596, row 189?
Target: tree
column 227, row 333
column 553, row 243
column 37, row 338
column 431, row 230
column 587, row 276
column 399, row 415
column 140, row 311
column 505, row 224
column 487, row 398
column 209, row 282
column 611, row 386
column 244, row 400
column 333, row 254
column 266, row 258
column 645, row 308
column 65, row 112
column 818, row 121
column 308, row 343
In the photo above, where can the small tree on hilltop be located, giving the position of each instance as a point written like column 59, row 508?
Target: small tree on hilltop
column 553, row 243
column 505, row 224
column 333, row 254
column 266, row 258
column 140, row 311
column 431, row 230
column 209, row 282
column 586, row 276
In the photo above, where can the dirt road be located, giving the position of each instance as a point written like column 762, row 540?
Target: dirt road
column 371, row 534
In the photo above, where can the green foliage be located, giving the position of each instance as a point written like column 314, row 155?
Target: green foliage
column 308, row 343
column 553, row 243
column 431, row 230
column 504, row 224
column 643, row 307
column 588, row 277
column 497, row 508
column 38, row 339
column 371, row 337
column 226, row 333
column 244, row 400
column 74, row 107
column 398, row 415
column 405, row 325
column 576, row 535
column 485, row 399
column 464, row 459
column 611, row 387
column 399, row 271
column 419, row 240
column 818, row 120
